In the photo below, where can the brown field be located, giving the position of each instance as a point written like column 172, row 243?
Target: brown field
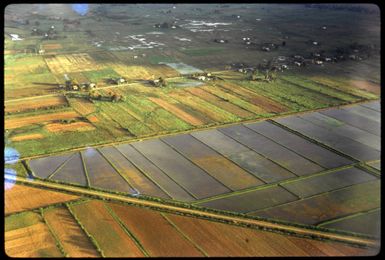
column 12, row 123
column 26, row 137
column 368, row 86
column 67, row 63
column 264, row 102
column 31, row 241
column 218, row 239
column 220, row 103
column 98, row 222
column 26, row 235
column 177, row 111
column 77, row 126
column 52, row 46
column 234, row 99
column 154, row 232
column 73, row 239
column 20, row 198
column 207, row 109
column 35, row 103
column 82, row 106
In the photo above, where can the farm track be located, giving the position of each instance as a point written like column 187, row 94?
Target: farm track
column 199, row 129
column 299, row 231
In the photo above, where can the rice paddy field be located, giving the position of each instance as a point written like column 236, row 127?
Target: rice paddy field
column 278, row 169
column 293, row 145
column 91, row 52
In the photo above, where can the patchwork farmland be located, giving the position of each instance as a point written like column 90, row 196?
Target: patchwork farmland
column 203, row 130
column 252, row 168
column 133, row 228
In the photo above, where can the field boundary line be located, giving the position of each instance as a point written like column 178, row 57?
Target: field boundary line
column 118, row 172
column 348, row 216
column 186, row 237
column 311, row 197
column 228, row 157
column 221, row 216
column 260, row 154
column 145, row 174
column 333, row 130
column 53, row 205
column 180, row 185
column 85, row 169
column 126, row 230
column 311, row 139
column 59, row 167
column 369, row 169
column 313, row 91
column 189, row 160
column 327, row 86
column 55, row 237
column 290, row 149
column 278, row 183
column 91, row 238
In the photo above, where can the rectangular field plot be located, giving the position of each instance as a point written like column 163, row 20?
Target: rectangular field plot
column 218, row 239
column 265, row 103
column 365, row 112
column 72, row 171
column 358, row 121
column 112, row 240
column 20, row 198
column 155, row 233
column 101, row 174
column 238, row 111
column 365, row 223
column 184, row 172
column 156, row 174
column 376, row 105
column 344, row 130
column 271, row 150
column 261, row 167
column 36, row 103
column 211, row 111
column 73, row 239
column 219, row 142
column 66, row 63
column 17, row 122
column 299, row 145
column 26, row 235
column 251, row 201
column 223, row 170
column 177, row 111
column 327, row 206
column 328, row 182
column 43, row 167
column 233, row 99
column 340, row 143
column 136, row 179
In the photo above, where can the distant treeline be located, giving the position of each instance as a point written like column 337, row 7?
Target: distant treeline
column 362, row 8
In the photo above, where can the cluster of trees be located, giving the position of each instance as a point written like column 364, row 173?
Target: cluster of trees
column 267, row 76
column 160, row 82
column 110, row 96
